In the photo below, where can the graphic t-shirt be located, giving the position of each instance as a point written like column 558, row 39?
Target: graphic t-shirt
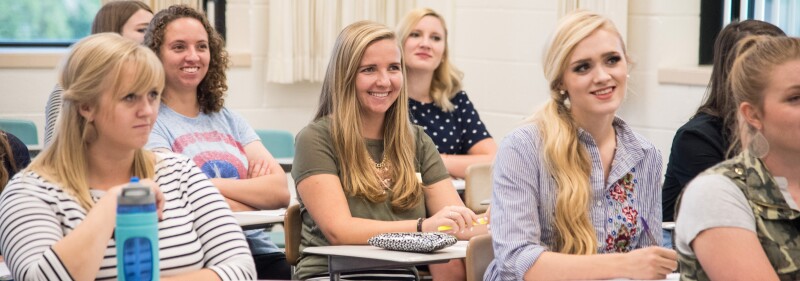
column 216, row 144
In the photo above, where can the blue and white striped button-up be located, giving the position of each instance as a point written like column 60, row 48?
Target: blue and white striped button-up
column 524, row 199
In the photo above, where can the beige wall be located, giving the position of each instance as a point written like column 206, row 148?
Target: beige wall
column 498, row 44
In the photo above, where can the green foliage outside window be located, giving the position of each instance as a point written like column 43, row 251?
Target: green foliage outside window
column 46, row 20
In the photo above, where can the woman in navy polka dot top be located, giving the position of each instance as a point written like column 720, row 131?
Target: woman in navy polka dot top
column 436, row 100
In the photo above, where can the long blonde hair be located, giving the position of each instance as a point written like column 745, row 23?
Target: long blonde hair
column 339, row 101
column 95, row 63
column 565, row 158
column 756, row 57
column 446, row 78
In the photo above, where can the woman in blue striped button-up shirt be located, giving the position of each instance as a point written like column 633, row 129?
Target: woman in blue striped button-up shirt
column 577, row 181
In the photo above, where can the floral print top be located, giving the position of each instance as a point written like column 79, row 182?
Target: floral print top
column 524, row 198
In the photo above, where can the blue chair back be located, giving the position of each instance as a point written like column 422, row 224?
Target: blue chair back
column 279, row 143
column 24, row 130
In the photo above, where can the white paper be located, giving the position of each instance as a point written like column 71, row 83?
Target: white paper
column 4, row 272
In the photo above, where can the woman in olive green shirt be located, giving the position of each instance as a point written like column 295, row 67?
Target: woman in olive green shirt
column 361, row 168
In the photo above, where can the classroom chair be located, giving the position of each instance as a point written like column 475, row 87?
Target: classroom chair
column 279, row 143
column 479, row 255
column 293, row 225
column 478, row 186
column 25, row 130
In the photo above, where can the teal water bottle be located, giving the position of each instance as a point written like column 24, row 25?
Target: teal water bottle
column 136, row 233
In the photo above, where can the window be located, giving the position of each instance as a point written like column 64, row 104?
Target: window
column 45, row 22
column 714, row 14
column 783, row 13
column 215, row 11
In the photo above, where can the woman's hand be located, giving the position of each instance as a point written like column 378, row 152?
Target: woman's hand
column 257, row 168
column 487, row 216
column 115, row 191
column 651, row 262
column 458, row 218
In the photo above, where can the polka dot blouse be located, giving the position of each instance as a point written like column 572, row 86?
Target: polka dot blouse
column 453, row 132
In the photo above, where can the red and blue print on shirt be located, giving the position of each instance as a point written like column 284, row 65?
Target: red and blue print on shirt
column 621, row 196
column 218, row 155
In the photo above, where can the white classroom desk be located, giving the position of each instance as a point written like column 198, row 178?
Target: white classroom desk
column 259, row 219
column 348, row 258
column 459, row 184
column 286, row 163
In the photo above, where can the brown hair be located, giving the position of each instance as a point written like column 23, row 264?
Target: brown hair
column 719, row 100
column 6, row 156
column 211, row 91
column 113, row 15
column 756, row 57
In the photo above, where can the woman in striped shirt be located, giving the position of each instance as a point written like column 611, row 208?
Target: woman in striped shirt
column 57, row 217
column 577, row 181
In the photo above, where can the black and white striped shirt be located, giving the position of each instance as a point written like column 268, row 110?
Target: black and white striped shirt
column 197, row 231
column 51, row 112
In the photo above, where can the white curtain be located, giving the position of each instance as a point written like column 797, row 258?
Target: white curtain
column 301, row 33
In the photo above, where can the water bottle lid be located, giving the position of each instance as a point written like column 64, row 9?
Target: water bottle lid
column 135, row 193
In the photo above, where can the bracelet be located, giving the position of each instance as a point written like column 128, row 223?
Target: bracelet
column 419, row 224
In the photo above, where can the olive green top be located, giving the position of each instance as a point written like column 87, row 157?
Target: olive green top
column 315, row 155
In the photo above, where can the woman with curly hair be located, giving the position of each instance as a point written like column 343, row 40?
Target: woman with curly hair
column 193, row 121
column 57, row 215
column 14, row 156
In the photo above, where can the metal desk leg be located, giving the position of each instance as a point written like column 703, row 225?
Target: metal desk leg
column 335, row 276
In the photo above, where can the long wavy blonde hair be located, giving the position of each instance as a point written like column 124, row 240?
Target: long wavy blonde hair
column 565, row 158
column 446, row 78
column 95, row 63
column 339, row 101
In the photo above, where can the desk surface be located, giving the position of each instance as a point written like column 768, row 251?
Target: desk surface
column 670, row 277
column 259, row 219
column 459, row 250
column 459, row 184
column 348, row 258
column 286, row 163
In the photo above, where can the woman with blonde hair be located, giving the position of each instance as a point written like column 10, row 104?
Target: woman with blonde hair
column 577, row 192
column 57, row 216
column 128, row 18
column 751, row 200
column 361, row 162
column 436, row 101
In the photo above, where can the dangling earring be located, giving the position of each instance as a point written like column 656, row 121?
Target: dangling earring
column 759, row 146
column 562, row 92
